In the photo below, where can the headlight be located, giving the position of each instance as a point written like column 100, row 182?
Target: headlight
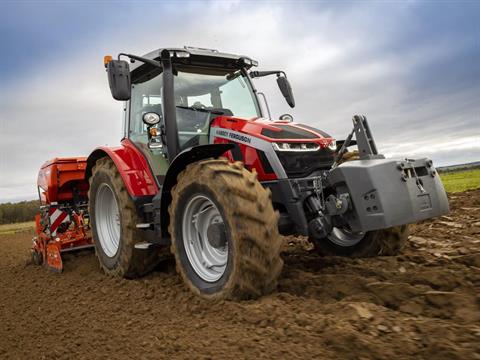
column 333, row 145
column 151, row 118
column 296, row 146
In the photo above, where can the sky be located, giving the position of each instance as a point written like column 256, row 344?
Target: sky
column 412, row 67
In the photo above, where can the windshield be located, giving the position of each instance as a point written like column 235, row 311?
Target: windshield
column 202, row 95
column 230, row 92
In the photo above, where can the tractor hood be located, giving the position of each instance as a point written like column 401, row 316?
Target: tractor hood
column 277, row 131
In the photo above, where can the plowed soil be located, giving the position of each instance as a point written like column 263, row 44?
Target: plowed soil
column 423, row 304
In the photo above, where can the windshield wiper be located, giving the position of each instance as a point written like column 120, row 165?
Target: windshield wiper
column 213, row 111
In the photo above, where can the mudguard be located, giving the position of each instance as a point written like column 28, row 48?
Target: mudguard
column 132, row 166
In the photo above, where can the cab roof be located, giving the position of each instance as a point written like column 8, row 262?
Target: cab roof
column 192, row 56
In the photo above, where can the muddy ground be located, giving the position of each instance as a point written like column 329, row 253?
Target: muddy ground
column 422, row 304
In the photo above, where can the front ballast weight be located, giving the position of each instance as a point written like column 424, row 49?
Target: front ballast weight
column 375, row 193
column 385, row 192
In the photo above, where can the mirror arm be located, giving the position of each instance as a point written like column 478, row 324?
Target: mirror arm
column 257, row 74
column 142, row 59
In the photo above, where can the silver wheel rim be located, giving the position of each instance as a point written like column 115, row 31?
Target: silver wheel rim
column 107, row 220
column 345, row 238
column 208, row 262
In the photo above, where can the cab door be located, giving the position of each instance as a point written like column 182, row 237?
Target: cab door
column 147, row 97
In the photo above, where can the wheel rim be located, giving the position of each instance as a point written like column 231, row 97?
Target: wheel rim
column 344, row 237
column 208, row 261
column 107, row 220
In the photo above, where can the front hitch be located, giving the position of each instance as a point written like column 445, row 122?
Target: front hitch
column 375, row 193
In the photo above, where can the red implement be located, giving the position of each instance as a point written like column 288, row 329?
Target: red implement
column 62, row 224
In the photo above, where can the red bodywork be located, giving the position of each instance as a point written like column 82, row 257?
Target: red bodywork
column 131, row 165
column 59, row 227
column 139, row 180
column 254, row 127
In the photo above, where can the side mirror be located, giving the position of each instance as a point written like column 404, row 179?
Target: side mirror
column 286, row 90
column 119, row 79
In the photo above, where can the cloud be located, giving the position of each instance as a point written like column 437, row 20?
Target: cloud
column 414, row 81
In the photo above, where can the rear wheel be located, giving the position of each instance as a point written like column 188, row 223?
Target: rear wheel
column 224, row 231
column 113, row 219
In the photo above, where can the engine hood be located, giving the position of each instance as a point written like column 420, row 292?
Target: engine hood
column 274, row 131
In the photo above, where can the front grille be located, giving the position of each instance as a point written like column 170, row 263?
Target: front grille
column 302, row 164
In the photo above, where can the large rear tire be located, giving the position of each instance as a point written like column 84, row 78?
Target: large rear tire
column 224, row 231
column 113, row 219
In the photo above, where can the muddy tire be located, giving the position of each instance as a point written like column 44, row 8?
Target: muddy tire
column 238, row 254
column 113, row 220
column 386, row 242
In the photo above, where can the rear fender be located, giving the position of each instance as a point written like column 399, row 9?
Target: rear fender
column 132, row 166
column 178, row 164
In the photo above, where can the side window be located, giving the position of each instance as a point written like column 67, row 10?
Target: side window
column 146, row 97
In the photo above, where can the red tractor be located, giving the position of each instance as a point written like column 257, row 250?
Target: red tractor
column 204, row 173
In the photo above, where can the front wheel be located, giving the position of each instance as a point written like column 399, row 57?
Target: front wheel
column 341, row 242
column 224, row 231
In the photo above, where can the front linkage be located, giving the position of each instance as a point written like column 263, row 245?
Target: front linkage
column 373, row 193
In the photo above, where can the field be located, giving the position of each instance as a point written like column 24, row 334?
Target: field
column 461, row 180
column 423, row 304
column 7, row 229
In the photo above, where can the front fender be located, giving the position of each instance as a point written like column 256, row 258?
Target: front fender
column 132, row 166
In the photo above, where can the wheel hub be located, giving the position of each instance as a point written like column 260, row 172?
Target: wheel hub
column 216, row 235
column 204, row 238
column 107, row 220
column 344, row 237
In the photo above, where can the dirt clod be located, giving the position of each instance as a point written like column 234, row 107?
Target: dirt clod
column 423, row 304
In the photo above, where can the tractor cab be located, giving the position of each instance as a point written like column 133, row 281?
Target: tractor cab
column 173, row 95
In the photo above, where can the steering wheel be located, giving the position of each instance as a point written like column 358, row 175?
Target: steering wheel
column 198, row 105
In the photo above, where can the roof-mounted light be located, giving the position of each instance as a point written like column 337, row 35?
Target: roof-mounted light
column 182, row 54
column 245, row 61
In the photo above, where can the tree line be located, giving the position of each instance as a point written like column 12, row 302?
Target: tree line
column 18, row 212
